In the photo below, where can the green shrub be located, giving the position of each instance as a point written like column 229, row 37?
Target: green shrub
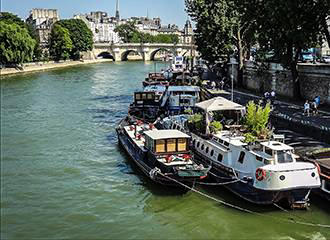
column 249, row 138
column 215, row 126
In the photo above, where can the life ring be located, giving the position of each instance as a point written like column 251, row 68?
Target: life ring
column 260, row 174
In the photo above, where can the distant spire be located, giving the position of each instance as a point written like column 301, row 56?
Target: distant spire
column 117, row 10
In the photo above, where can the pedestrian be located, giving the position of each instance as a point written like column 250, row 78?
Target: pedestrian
column 306, row 108
column 272, row 96
column 222, row 84
column 213, row 85
column 317, row 99
column 266, row 96
column 314, row 108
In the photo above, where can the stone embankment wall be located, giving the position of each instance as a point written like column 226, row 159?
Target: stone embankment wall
column 314, row 80
column 43, row 66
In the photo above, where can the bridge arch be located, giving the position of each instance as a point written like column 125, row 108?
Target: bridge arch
column 124, row 55
column 154, row 52
column 106, row 54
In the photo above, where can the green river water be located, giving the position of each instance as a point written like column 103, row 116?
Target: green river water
column 63, row 175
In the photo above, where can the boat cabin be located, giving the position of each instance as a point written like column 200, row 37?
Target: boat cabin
column 162, row 142
column 152, row 95
column 180, row 97
column 278, row 152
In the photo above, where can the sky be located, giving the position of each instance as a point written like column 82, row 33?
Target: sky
column 170, row 11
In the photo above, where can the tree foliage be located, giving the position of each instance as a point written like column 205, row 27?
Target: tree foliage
column 220, row 30
column 129, row 34
column 10, row 18
column 287, row 28
column 80, row 35
column 16, row 45
column 60, row 44
column 127, row 31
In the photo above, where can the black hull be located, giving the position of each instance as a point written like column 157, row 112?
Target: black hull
column 140, row 158
column 244, row 189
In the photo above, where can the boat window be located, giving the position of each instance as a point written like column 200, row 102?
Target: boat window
column 171, row 145
column 182, row 144
column 198, row 144
column 138, row 96
column 259, row 158
column 150, row 97
column 207, row 149
column 160, row 146
column 202, row 147
column 241, row 157
column 212, row 152
column 194, row 142
column 226, row 143
column 269, row 151
column 284, row 157
column 220, row 157
column 144, row 96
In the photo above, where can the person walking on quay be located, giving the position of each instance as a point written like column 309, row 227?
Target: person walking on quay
column 266, row 97
column 314, row 108
column 272, row 96
column 306, row 108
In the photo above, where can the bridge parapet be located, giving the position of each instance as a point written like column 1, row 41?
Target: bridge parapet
column 147, row 50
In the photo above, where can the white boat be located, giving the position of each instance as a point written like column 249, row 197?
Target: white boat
column 178, row 65
column 266, row 172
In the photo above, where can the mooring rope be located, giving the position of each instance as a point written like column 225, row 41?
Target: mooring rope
column 218, row 184
column 244, row 209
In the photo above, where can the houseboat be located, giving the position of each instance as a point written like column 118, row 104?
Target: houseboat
column 263, row 172
column 156, row 78
column 180, row 98
column 178, row 65
column 162, row 155
column 148, row 103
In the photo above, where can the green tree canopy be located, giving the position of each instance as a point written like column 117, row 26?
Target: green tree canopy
column 11, row 18
column 220, row 30
column 287, row 28
column 60, row 44
column 127, row 32
column 80, row 35
column 16, row 45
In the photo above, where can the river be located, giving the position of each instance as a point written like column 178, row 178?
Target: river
column 63, row 174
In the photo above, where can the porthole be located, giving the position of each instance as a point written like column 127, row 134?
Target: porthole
column 198, row 144
column 207, row 150
column 313, row 174
column 202, row 147
column 220, row 157
column 282, row 177
column 193, row 142
column 212, row 152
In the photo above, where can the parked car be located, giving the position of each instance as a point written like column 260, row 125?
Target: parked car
column 325, row 59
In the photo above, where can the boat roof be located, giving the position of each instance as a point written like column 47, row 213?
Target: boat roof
column 218, row 104
column 183, row 88
column 277, row 146
column 155, row 88
column 165, row 134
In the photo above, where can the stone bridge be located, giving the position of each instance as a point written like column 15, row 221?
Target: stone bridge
column 147, row 51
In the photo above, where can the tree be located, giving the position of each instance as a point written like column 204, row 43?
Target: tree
column 16, row 45
column 11, row 18
column 220, row 30
column 287, row 28
column 80, row 35
column 127, row 32
column 60, row 44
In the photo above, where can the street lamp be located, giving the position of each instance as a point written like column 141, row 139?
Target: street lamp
column 232, row 81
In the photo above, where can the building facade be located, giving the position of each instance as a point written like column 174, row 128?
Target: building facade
column 101, row 25
column 42, row 20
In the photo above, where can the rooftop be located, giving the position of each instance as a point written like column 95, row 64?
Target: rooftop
column 165, row 134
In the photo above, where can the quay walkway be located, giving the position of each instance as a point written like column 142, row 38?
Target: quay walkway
column 286, row 114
